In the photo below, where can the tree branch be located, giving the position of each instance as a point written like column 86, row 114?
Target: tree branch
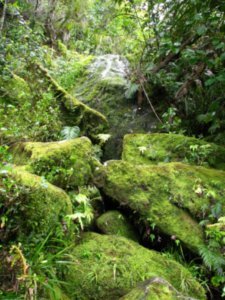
column 172, row 55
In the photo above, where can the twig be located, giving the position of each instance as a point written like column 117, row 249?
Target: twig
column 172, row 55
column 150, row 103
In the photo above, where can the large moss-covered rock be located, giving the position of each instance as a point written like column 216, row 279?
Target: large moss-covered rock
column 33, row 207
column 172, row 196
column 108, row 267
column 66, row 164
column 162, row 147
column 155, row 289
column 105, row 87
column 114, row 222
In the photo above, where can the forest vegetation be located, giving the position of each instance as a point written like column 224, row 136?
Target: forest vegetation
column 112, row 158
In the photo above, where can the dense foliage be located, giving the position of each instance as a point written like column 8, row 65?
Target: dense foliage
column 176, row 52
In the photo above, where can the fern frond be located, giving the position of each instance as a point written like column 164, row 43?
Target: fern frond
column 69, row 133
column 212, row 259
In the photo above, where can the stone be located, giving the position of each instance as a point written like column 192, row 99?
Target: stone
column 114, row 222
column 109, row 266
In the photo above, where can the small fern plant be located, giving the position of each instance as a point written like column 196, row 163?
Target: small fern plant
column 69, row 133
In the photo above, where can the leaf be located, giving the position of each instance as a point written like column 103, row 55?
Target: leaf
column 142, row 149
column 69, row 133
column 80, row 198
column 201, row 30
column 131, row 90
column 103, row 137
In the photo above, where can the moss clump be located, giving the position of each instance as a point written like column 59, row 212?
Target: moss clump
column 66, row 164
column 162, row 147
column 89, row 120
column 33, row 207
column 172, row 196
column 108, row 267
column 155, row 289
column 113, row 222
column 16, row 89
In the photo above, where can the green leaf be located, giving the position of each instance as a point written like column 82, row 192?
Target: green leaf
column 210, row 81
column 103, row 137
column 69, row 133
column 201, row 30
column 131, row 90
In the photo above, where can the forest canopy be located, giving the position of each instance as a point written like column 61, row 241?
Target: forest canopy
column 176, row 48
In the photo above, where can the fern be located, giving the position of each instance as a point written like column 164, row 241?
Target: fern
column 212, row 259
column 103, row 137
column 83, row 213
column 132, row 88
column 69, row 133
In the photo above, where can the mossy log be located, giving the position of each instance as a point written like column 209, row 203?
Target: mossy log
column 77, row 113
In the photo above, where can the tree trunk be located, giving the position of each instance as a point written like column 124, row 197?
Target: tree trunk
column 3, row 16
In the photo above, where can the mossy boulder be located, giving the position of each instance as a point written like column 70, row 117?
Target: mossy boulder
column 66, row 164
column 162, row 147
column 114, row 222
column 32, row 206
column 155, row 289
column 105, row 88
column 109, row 266
column 173, row 196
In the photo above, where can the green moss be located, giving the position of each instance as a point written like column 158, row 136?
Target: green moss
column 160, row 147
column 33, row 206
column 113, row 222
column 66, row 164
column 172, row 196
column 155, row 289
column 76, row 113
column 108, row 267
column 16, row 88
